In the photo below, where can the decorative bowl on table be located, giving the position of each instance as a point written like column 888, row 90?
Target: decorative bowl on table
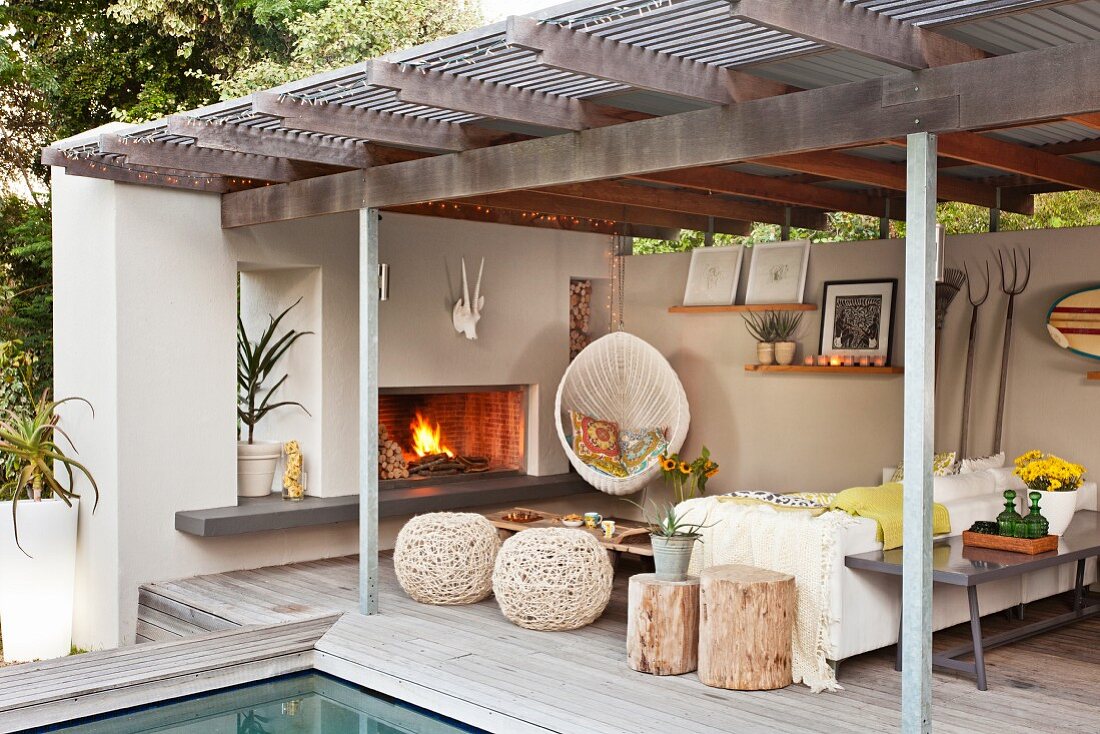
column 572, row 521
column 522, row 516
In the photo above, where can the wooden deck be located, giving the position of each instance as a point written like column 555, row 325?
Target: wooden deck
column 470, row 663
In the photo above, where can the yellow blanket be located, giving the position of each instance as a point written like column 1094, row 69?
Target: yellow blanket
column 884, row 506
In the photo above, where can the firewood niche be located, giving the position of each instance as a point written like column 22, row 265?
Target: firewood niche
column 441, row 465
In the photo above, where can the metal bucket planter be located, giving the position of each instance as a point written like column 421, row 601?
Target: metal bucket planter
column 671, row 555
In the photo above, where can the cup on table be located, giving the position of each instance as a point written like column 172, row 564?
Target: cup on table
column 608, row 528
column 592, row 519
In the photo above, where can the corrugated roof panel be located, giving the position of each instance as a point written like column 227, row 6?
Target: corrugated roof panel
column 1055, row 26
column 1051, row 132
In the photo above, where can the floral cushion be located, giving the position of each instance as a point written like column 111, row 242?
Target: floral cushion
column 943, row 465
column 969, row 466
column 602, row 464
column 641, row 449
column 783, row 502
column 594, row 438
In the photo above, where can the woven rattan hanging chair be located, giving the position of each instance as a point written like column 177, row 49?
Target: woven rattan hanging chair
column 623, row 379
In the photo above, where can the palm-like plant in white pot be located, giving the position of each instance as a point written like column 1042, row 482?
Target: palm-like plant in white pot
column 256, row 460
column 38, row 547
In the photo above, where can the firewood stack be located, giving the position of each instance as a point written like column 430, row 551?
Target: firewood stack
column 391, row 460
column 441, row 465
column 580, row 312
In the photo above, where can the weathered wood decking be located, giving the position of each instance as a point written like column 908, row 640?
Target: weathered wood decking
column 473, row 665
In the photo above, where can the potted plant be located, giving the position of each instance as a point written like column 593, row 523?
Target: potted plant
column 256, row 460
column 1057, row 480
column 761, row 325
column 673, row 539
column 38, row 547
column 784, row 326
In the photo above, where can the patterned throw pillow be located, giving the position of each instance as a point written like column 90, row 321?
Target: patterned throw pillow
column 602, row 464
column 943, row 465
column 969, row 466
column 782, row 502
column 594, row 438
column 641, row 449
column 821, row 498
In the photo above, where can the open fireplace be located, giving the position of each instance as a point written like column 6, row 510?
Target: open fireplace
column 449, row 433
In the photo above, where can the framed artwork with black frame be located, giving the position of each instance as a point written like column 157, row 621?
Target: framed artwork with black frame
column 857, row 317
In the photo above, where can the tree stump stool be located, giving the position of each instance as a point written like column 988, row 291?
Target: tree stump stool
column 746, row 619
column 662, row 629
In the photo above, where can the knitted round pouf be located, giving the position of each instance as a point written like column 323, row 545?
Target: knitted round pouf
column 552, row 579
column 446, row 557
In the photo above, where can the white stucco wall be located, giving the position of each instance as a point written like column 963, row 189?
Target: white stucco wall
column 146, row 289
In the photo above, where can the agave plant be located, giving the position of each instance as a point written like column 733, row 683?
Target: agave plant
column 28, row 438
column 785, row 324
column 760, row 325
column 664, row 520
column 255, row 361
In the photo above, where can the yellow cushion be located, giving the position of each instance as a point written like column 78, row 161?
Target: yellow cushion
column 884, row 506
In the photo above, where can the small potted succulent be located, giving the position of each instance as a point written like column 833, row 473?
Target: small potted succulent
column 761, row 326
column 784, row 327
column 673, row 539
column 257, row 460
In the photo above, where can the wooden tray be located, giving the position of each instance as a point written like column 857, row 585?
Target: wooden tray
column 1015, row 545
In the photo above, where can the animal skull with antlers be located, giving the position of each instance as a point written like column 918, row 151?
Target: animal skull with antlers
column 467, row 312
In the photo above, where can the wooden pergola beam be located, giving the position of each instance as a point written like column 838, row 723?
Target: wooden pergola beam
column 889, row 175
column 1021, row 159
column 325, row 149
column 591, row 55
column 691, row 202
column 854, row 28
column 502, row 215
column 766, row 188
column 556, row 204
column 378, row 127
column 207, row 160
column 486, row 99
column 990, row 93
column 123, row 173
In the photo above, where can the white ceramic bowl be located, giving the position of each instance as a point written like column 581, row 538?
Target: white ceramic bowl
column 572, row 523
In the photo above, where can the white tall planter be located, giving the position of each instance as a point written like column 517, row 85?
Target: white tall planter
column 36, row 593
column 256, row 464
column 1058, row 508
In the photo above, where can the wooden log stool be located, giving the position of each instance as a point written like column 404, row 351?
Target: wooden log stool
column 746, row 619
column 662, row 629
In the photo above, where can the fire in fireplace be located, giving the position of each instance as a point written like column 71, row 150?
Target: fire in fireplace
column 443, row 432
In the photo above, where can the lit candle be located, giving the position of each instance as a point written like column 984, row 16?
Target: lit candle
column 849, row 360
column 822, row 360
column 808, row 361
column 880, row 360
column 864, row 361
column 834, row 361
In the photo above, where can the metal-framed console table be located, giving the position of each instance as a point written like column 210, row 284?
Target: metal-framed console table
column 961, row 565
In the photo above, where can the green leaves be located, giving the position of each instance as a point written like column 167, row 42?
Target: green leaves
column 28, row 440
column 665, row 521
column 255, row 361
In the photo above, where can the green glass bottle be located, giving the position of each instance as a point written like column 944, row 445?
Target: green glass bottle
column 1009, row 519
column 1037, row 525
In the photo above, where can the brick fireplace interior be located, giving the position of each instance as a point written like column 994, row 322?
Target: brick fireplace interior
column 482, row 422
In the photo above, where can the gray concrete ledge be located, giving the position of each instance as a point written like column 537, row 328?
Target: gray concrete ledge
column 259, row 514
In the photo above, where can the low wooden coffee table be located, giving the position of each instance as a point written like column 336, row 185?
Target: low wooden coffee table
column 959, row 565
column 631, row 536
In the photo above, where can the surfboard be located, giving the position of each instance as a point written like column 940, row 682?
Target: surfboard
column 1074, row 322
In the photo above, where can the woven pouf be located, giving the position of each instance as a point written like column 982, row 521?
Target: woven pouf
column 446, row 557
column 552, row 579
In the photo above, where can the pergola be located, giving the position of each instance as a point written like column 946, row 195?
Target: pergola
column 644, row 117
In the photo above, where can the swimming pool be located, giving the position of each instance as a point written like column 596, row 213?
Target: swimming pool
column 310, row 703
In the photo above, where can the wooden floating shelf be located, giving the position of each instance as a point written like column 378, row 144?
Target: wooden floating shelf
column 741, row 308
column 1093, row 376
column 831, row 370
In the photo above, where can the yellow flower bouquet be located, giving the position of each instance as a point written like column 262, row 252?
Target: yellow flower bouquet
column 688, row 478
column 1048, row 473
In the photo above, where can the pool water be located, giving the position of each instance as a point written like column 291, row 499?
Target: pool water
column 301, row 704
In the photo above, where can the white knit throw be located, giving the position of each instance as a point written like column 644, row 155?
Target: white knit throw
column 788, row 542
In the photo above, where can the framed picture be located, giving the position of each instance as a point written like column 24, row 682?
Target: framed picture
column 713, row 276
column 777, row 272
column 858, row 317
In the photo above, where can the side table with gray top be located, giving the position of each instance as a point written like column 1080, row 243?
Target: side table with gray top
column 959, row 565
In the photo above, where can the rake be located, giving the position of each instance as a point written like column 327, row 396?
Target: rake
column 946, row 290
column 968, row 383
column 1021, row 276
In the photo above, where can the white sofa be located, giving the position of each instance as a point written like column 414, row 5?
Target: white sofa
column 866, row 606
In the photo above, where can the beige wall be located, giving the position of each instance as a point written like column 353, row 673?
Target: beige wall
column 792, row 432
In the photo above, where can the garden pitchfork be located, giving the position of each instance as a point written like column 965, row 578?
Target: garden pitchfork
column 968, row 383
column 1021, row 275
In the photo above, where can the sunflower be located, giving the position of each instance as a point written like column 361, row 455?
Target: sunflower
column 685, row 468
column 711, row 472
column 668, row 464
